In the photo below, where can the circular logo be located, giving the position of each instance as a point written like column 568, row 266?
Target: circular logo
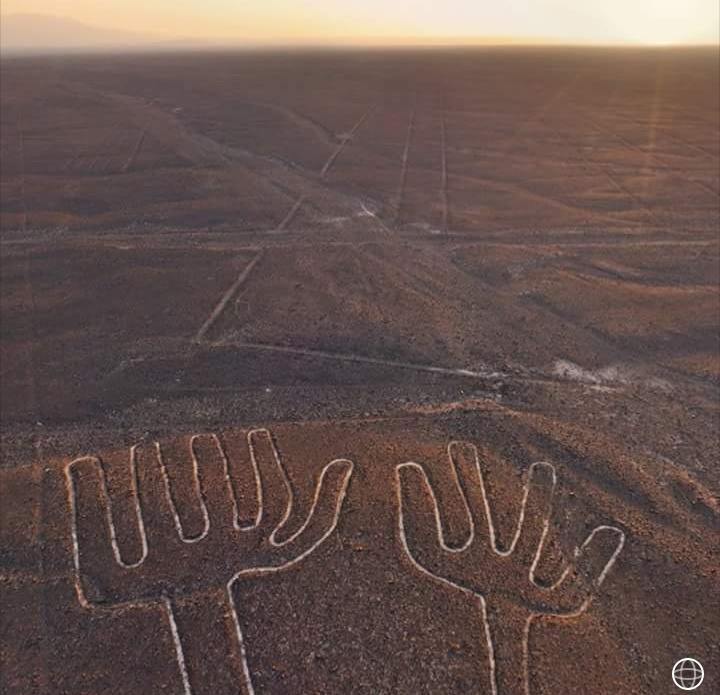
column 688, row 674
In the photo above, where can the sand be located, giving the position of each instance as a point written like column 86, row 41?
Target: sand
column 399, row 289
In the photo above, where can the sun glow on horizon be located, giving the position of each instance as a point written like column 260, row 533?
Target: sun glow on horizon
column 643, row 22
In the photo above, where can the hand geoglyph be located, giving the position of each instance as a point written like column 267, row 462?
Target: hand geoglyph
column 503, row 581
column 192, row 577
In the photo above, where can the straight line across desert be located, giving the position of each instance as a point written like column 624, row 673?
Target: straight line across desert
column 332, row 369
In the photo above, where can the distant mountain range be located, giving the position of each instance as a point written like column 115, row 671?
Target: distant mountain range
column 30, row 33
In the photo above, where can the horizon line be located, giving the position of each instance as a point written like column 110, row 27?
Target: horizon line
column 205, row 46
column 132, row 40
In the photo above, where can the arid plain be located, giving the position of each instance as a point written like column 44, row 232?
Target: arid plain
column 298, row 272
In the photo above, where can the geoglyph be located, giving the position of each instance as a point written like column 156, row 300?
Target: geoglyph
column 180, row 572
column 502, row 581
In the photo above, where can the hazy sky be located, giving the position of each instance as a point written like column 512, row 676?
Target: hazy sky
column 603, row 21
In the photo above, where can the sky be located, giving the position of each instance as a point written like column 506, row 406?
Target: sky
column 413, row 21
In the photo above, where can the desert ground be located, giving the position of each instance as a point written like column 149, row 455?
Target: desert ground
column 360, row 372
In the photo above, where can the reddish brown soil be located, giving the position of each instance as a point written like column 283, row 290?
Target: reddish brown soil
column 372, row 255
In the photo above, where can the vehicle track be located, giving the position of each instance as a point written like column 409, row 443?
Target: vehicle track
column 404, row 167
column 301, row 120
column 135, row 151
column 345, row 140
column 634, row 148
column 592, row 166
column 444, row 175
column 227, row 297
column 519, row 190
column 300, row 201
column 362, row 359
column 291, row 213
column 22, row 182
column 691, row 146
